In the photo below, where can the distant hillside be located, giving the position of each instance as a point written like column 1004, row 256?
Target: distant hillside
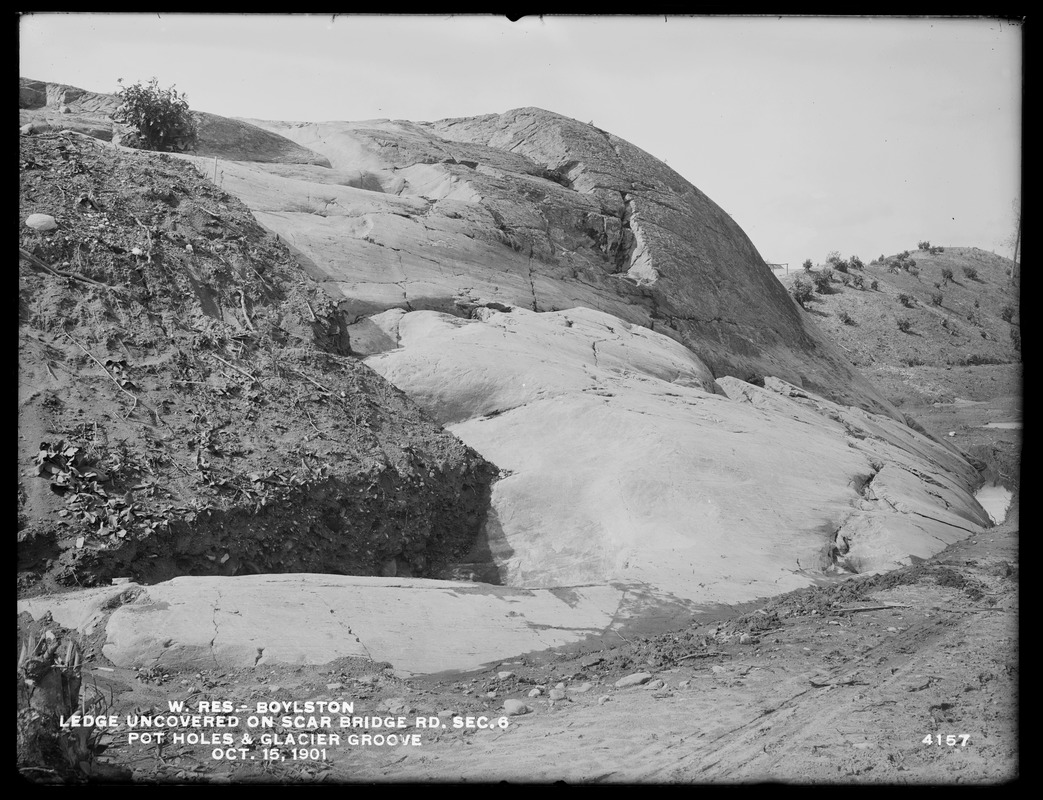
column 959, row 308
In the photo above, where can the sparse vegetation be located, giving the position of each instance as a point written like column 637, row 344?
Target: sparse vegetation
column 49, row 691
column 822, row 280
column 808, row 265
column 927, row 248
column 976, row 360
column 948, row 298
column 160, row 117
column 802, row 290
column 971, row 273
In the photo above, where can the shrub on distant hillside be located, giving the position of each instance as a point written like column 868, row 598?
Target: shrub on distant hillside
column 844, row 317
column 856, row 263
column 904, row 324
column 893, row 266
column 160, row 116
column 906, row 300
column 808, row 265
column 936, row 298
column 946, row 275
column 874, row 285
column 924, row 245
column 971, row 273
column 802, row 290
column 822, row 280
column 936, row 250
column 859, row 282
column 835, row 260
column 1007, row 313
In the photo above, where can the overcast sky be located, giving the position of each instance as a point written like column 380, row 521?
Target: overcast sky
column 815, row 134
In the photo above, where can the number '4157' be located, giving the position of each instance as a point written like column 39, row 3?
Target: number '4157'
column 951, row 739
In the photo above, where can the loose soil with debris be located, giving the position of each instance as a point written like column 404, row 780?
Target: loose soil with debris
column 188, row 402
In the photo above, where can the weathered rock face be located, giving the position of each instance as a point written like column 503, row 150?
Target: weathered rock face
column 259, row 620
column 539, row 210
column 671, row 434
column 628, row 464
column 636, row 493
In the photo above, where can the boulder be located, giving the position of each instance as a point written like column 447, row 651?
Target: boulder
column 41, row 222
column 635, row 679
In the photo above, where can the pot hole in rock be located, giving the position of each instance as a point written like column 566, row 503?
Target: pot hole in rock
column 995, row 499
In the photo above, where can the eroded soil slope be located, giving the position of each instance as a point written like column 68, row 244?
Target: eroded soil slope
column 188, row 403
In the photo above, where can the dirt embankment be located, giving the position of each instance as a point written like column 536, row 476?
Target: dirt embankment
column 188, row 402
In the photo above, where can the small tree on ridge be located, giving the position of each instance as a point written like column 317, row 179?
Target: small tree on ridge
column 159, row 116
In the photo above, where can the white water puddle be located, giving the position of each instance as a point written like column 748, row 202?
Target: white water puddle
column 1007, row 426
column 995, row 500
